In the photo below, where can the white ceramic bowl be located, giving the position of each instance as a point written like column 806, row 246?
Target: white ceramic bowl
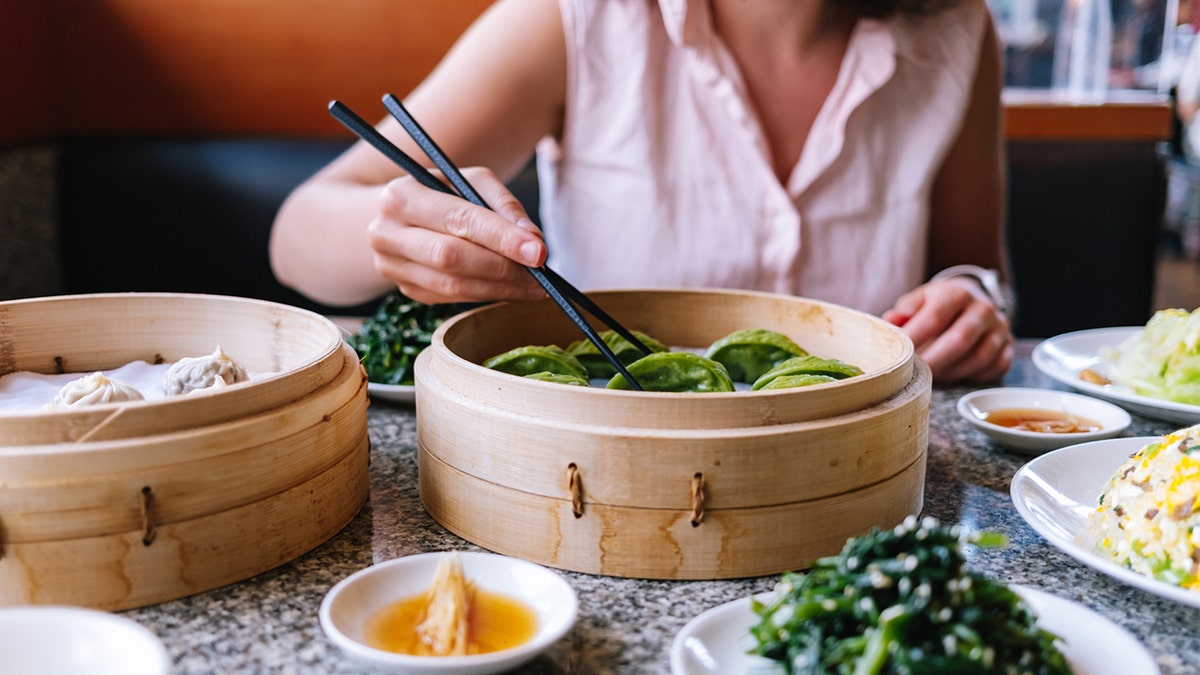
column 974, row 407
column 58, row 640
column 349, row 604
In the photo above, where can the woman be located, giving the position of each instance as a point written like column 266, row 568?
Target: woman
column 837, row 149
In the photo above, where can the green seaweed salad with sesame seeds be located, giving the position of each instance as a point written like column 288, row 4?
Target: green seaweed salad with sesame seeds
column 902, row 601
column 389, row 341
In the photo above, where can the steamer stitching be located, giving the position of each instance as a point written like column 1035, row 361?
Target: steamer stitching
column 147, row 500
column 575, row 485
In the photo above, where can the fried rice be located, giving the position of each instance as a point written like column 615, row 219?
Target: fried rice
column 1148, row 514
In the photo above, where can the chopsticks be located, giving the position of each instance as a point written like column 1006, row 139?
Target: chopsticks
column 559, row 289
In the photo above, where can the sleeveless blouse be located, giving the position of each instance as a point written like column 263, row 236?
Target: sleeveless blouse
column 662, row 176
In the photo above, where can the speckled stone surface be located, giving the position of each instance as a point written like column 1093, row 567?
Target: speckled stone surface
column 268, row 624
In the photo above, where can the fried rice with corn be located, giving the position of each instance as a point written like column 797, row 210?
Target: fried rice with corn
column 1148, row 515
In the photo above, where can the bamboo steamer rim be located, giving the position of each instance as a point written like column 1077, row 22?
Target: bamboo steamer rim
column 314, row 340
column 456, row 355
column 919, row 385
column 66, row 460
column 89, row 489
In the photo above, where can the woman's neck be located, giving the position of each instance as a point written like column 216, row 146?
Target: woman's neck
column 789, row 53
column 784, row 29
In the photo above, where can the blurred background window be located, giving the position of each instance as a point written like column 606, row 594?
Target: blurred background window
column 1150, row 40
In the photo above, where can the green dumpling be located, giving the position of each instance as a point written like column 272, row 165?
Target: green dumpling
column 747, row 354
column 675, row 371
column 808, row 365
column 790, row 381
column 535, row 359
column 558, row 378
column 597, row 366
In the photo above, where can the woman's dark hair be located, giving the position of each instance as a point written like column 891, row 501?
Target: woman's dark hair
column 882, row 9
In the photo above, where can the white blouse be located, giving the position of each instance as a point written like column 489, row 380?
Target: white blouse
column 662, row 177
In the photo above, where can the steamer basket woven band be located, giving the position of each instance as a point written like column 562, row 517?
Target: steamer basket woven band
column 122, row 505
column 671, row 485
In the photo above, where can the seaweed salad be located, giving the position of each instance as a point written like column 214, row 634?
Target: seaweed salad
column 389, row 341
column 902, row 601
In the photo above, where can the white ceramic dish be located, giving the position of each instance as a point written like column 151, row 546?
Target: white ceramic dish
column 1055, row 493
column 396, row 393
column 60, row 640
column 711, row 643
column 975, row 406
column 349, row 604
column 1062, row 357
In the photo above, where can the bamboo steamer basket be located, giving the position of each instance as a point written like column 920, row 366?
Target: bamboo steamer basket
column 671, row 485
column 123, row 505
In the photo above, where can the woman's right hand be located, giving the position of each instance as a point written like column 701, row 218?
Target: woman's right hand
column 439, row 248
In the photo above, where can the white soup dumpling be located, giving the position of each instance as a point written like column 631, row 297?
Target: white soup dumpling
column 95, row 389
column 201, row 372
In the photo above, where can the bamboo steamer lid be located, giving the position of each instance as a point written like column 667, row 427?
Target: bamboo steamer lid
column 670, row 485
column 227, row 484
column 681, row 318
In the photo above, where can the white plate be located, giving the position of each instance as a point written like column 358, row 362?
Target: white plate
column 975, row 406
column 1062, row 357
column 349, row 604
column 396, row 393
column 56, row 640
column 1055, row 493
column 711, row 642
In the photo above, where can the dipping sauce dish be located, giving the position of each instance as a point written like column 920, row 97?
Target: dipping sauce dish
column 350, row 606
column 1033, row 421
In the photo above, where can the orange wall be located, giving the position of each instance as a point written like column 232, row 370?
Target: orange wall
column 213, row 66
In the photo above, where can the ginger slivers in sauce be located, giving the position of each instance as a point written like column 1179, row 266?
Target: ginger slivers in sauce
column 444, row 629
column 452, row 618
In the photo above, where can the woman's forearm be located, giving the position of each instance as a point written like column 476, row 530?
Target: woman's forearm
column 319, row 246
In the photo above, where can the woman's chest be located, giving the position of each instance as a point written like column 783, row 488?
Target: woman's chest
column 786, row 92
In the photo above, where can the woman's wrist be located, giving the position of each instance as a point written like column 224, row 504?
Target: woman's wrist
column 989, row 281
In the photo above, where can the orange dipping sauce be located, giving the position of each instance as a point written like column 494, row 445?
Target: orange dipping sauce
column 496, row 622
column 1041, row 421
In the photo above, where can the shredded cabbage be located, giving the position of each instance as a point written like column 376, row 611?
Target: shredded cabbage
column 1162, row 360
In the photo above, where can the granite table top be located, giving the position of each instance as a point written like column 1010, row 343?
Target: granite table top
column 268, row 623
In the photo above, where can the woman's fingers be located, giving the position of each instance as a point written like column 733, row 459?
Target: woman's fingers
column 976, row 348
column 506, row 230
column 443, row 248
column 450, row 269
column 957, row 331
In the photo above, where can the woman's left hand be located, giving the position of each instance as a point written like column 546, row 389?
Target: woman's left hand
column 956, row 329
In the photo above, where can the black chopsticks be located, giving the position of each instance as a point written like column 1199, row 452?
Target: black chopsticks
column 555, row 286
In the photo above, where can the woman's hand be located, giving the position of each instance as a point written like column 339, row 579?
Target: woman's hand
column 956, row 329
column 440, row 248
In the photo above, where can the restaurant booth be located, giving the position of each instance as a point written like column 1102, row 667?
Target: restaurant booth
column 167, row 134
